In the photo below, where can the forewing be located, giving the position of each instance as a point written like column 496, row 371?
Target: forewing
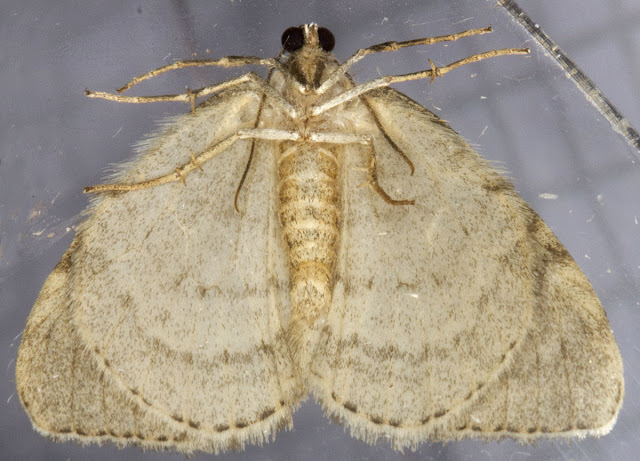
column 433, row 303
column 177, row 299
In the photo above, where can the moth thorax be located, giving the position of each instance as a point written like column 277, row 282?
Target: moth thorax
column 309, row 216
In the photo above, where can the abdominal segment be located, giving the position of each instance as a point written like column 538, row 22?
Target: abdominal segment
column 309, row 201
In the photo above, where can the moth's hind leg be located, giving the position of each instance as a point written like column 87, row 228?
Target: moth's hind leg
column 373, row 181
column 345, row 138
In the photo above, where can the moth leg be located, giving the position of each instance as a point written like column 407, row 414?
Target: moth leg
column 191, row 95
column 373, row 182
column 393, row 46
column 430, row 73
column 196, row 162
column 342, row 138
column 386, row 136
column 269, row 134
column 228, row 61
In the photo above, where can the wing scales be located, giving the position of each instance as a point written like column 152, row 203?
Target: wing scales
column 172, row 308
column 436, row 306
column 561, row 383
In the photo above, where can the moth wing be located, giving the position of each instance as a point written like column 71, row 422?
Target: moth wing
column 63, row 390
column 437, row 305
column 178, row 300
column 567, row 380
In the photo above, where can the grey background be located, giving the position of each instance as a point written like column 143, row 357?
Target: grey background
column 522, row 112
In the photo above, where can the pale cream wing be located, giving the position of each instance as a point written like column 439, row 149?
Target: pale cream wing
column 65, row 393
column 567, row 380
column 434, row 303
column 180, row 301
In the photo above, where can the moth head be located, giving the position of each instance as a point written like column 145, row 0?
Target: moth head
column 309, row 49
column 309, row 35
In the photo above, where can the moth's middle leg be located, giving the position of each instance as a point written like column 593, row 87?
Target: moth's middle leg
column 196, row 161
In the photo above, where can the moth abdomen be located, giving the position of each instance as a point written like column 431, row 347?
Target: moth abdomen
column 309, row 201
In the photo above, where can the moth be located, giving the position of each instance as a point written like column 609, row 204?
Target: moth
column 234, row 267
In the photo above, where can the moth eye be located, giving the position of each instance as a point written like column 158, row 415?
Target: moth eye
column 293, row 39
column 327, row 40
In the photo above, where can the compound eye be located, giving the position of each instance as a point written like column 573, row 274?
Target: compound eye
column 327, row 40
column 293, row 39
